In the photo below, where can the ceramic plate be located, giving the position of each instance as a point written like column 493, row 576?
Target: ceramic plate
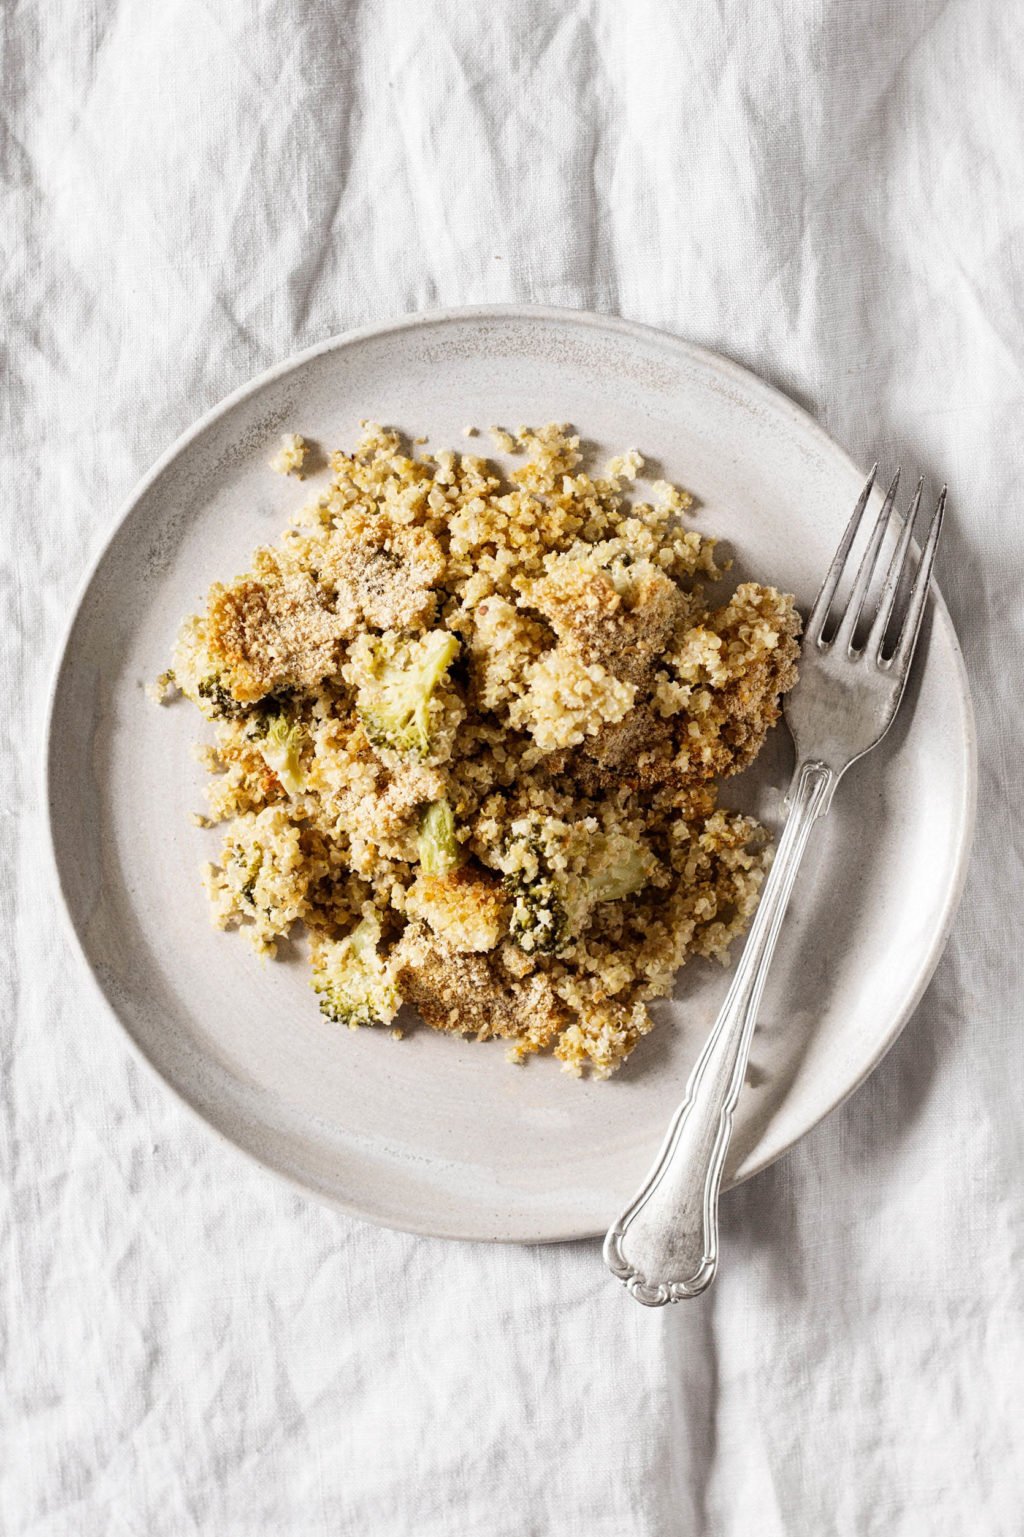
column 432, row 1134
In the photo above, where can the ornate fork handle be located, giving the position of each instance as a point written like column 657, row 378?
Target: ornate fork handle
column 665, row 1247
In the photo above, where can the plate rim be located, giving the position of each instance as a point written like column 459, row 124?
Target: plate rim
column 781, row 403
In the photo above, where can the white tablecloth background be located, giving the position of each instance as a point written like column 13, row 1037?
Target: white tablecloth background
column 831, row 192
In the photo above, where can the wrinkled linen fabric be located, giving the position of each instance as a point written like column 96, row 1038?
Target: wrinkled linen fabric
column 832, row 193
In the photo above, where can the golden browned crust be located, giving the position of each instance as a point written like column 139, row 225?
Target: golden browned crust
column 623, row 632
column 274, row 630
column 467, row 908
column 387, row 572
column 473, row 994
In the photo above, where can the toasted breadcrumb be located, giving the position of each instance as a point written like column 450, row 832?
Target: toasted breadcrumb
column 467, row 909
column 532, row 658
column 278, row 629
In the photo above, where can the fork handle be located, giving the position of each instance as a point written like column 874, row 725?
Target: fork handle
column 665, row 1246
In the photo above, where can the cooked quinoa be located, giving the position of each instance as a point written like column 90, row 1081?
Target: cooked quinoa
column 468, row 731
column 290, row 458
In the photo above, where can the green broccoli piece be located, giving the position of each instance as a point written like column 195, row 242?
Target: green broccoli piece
column 354, row 983
column 436, row 845
column 539, row 922
column 617, row 866
column 220, row 703
column 281, row 746
column 251, row 867
column 556, row 873
column 394, row 701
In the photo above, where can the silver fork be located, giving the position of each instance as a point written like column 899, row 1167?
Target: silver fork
column 665, row 1246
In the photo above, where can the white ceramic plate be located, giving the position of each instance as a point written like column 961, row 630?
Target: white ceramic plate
column 432, row 1134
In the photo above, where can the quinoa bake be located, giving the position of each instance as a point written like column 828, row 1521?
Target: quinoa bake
column 468, row 731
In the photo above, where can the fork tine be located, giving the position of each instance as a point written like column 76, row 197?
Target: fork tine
column 887, row 597
column 823, row 602
column 919, row 592
column 866, row 570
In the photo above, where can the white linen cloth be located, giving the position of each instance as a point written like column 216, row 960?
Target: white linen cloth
column 832, row 193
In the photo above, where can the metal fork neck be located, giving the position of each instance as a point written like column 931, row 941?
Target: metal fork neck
column 812, row 786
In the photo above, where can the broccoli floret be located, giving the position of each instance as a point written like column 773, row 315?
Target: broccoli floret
column 436, row 845
column 220, row 703
column 355, row 984
column 394, row 699
column 281, row 746
column 617, row 865
column 556, row 873
column 539, row 923
column 252, row 864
